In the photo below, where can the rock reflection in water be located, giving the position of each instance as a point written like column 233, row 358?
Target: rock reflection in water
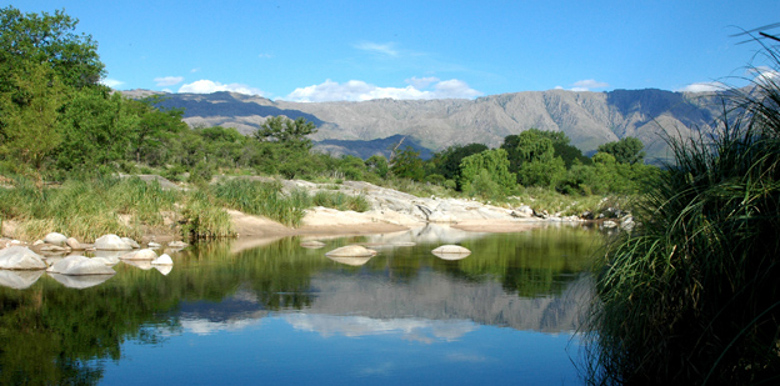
column 19, row 279
column 80, row 282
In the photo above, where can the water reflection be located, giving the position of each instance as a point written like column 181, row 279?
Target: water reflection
column 530, row 281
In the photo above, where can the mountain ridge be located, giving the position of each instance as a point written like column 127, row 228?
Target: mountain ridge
column 588, row 118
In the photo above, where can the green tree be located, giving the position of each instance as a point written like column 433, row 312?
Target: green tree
column 489, row 165
column 407, row 164
column 29, row 112
column 48, row 40
column 153, row 127
column 447, row 162
column 378, row 165
column 96, row 129
column 532, row 157
column 286, row 132
column 530, row 145
column 626, row 151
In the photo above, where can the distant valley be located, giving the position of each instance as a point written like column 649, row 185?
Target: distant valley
column 371, row 127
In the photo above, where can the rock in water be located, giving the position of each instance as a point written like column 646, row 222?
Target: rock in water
column 164, row 259
column 79, row 266
column 451, row 252
column 142, row 254
column 55, row 238
column 111, row 243
column 74, row 244
column 351, row 251
column 312, row 244
column 20, row 258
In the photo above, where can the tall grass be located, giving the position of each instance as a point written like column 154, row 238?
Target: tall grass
column 204, row 218
column 693, row 297
column 86, row 209
column 264, row 199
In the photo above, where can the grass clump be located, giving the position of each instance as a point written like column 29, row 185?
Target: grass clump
column 693, row 298
column 341, row 201
column 203, row 218
column 264, row 199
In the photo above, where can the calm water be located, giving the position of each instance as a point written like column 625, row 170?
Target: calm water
column 271, row 311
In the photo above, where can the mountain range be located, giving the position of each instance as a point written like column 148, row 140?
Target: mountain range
column 371, row 127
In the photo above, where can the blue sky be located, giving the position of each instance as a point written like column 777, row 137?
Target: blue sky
column 358, row 50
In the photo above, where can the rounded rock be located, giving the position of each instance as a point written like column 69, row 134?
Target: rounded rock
column 451, row 252
column 142, row 254
column 351, row 251
column 111, row 242
column 20, row 258
column 55, row 238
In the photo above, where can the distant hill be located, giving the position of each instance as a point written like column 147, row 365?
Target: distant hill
column 365, row 128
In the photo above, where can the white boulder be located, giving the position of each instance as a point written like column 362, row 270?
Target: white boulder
column 80, row 266
column 351, row 251
column 20, row 258
column 141, row 254
column 451, row 252
column 111, row 242
column 55, row 238
column 164, row 259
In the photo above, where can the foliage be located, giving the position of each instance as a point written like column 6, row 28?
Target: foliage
column 692, row 298
column 377, row 164
column 45, row 39
column 29, row 107
column 627, row 150
column 447, row 162
column 407, row 164
column 286, row 132
column 489, row 170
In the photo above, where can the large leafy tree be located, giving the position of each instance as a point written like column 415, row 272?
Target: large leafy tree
column 447, row 162
column 48, row 40
column 29, row 114
column 488, row 168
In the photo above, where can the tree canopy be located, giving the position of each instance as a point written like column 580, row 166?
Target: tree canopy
column 626, row 151
column 49, row 40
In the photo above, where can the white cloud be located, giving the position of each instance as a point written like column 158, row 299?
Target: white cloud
column 703, row 87
column 764, row 75
column 194, row 70
column 454, row 88
column 421, row 83
column 265, row 56
column 384, row 49
column 113, row 83
column 588, row 84
column 358, row 90
column 205, row 86
column 168, row 80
